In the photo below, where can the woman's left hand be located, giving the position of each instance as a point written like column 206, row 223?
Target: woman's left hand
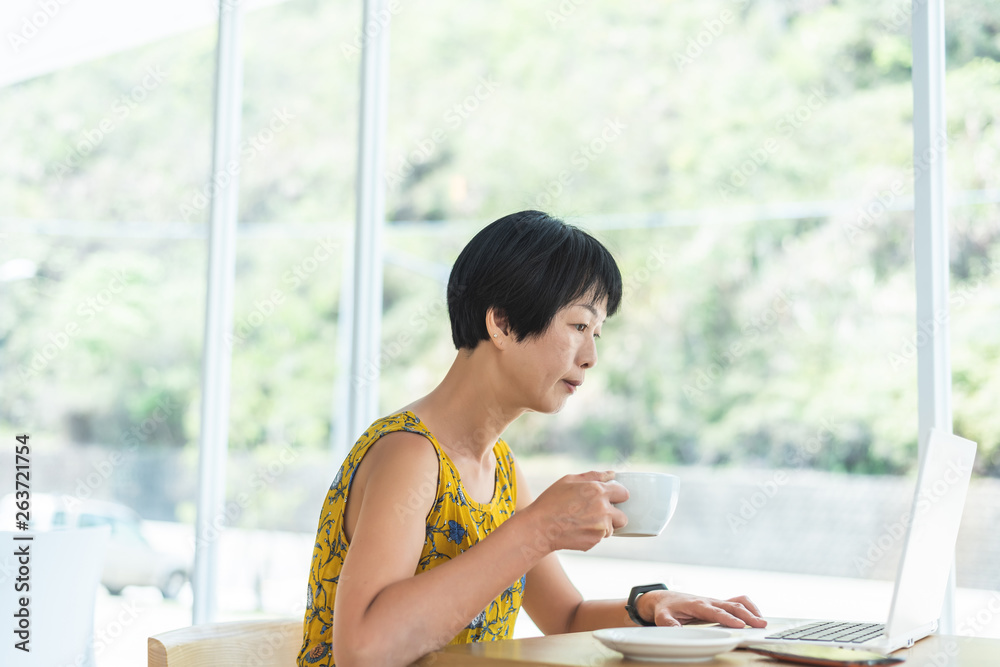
column 675, row 608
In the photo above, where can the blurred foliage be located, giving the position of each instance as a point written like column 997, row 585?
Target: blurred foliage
column 783, row 341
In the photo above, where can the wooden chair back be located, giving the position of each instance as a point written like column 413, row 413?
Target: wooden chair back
column 273, row 643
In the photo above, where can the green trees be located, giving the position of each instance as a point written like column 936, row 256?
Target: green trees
column 754, row 328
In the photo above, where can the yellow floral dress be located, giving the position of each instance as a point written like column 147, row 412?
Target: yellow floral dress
column 454, row 525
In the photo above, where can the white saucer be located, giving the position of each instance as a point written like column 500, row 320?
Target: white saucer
column 665, row 643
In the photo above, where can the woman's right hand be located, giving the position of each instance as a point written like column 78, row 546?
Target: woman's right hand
column 577, row 511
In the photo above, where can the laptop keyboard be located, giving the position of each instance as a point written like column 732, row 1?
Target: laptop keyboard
column 832, row 631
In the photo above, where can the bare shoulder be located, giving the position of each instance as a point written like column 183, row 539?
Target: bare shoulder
column 402, row 452
column 400, row 469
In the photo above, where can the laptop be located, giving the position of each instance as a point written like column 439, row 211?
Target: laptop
column 922, row 577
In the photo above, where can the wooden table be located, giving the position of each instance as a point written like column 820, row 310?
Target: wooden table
column 582, row 650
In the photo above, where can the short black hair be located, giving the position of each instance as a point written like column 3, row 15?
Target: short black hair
column 527, row 266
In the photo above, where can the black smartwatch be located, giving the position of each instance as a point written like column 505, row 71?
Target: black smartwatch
column 630, row 607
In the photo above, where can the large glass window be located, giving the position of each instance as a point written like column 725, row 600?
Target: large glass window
column 751, row 166
column 296, row 212
column 749, row 163
column 972, row 99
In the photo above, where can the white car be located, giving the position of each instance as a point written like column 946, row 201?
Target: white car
column 130, row 559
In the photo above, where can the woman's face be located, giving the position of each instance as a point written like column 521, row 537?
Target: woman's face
column 546, row 370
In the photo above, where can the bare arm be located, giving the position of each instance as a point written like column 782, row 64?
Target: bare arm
column 556, row 606
column 553, row 602
column 550, row 598
column 378, row 591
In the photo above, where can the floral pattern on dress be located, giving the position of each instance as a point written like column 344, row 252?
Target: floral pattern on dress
column 456, row 532
column 455, row 524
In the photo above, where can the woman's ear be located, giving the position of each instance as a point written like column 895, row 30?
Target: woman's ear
column 496, row 325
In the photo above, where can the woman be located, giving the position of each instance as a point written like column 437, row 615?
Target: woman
column 394, row 575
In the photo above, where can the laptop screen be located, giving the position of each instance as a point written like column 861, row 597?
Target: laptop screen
column 934, row 518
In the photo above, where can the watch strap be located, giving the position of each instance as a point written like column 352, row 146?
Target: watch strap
column 633, row 596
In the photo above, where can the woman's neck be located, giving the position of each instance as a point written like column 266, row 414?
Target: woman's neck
column 466, row 411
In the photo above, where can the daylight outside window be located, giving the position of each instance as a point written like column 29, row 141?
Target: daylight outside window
column 750, row 165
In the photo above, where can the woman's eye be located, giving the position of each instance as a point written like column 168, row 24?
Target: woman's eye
column 580, row 327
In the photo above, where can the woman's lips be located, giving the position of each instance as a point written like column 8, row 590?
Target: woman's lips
column 572, row 385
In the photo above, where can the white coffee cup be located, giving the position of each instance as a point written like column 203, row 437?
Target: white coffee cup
column 652, row 499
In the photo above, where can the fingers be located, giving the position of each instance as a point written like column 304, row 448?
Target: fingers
column 710, row 612
column 664, row 619
column 587, row 502
column 613, row 491
column 617, row 493
column 746, row 602
column 742, row 608
column 733, row 615
column 674, row 608
column 618, row 520
column 598, row 475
